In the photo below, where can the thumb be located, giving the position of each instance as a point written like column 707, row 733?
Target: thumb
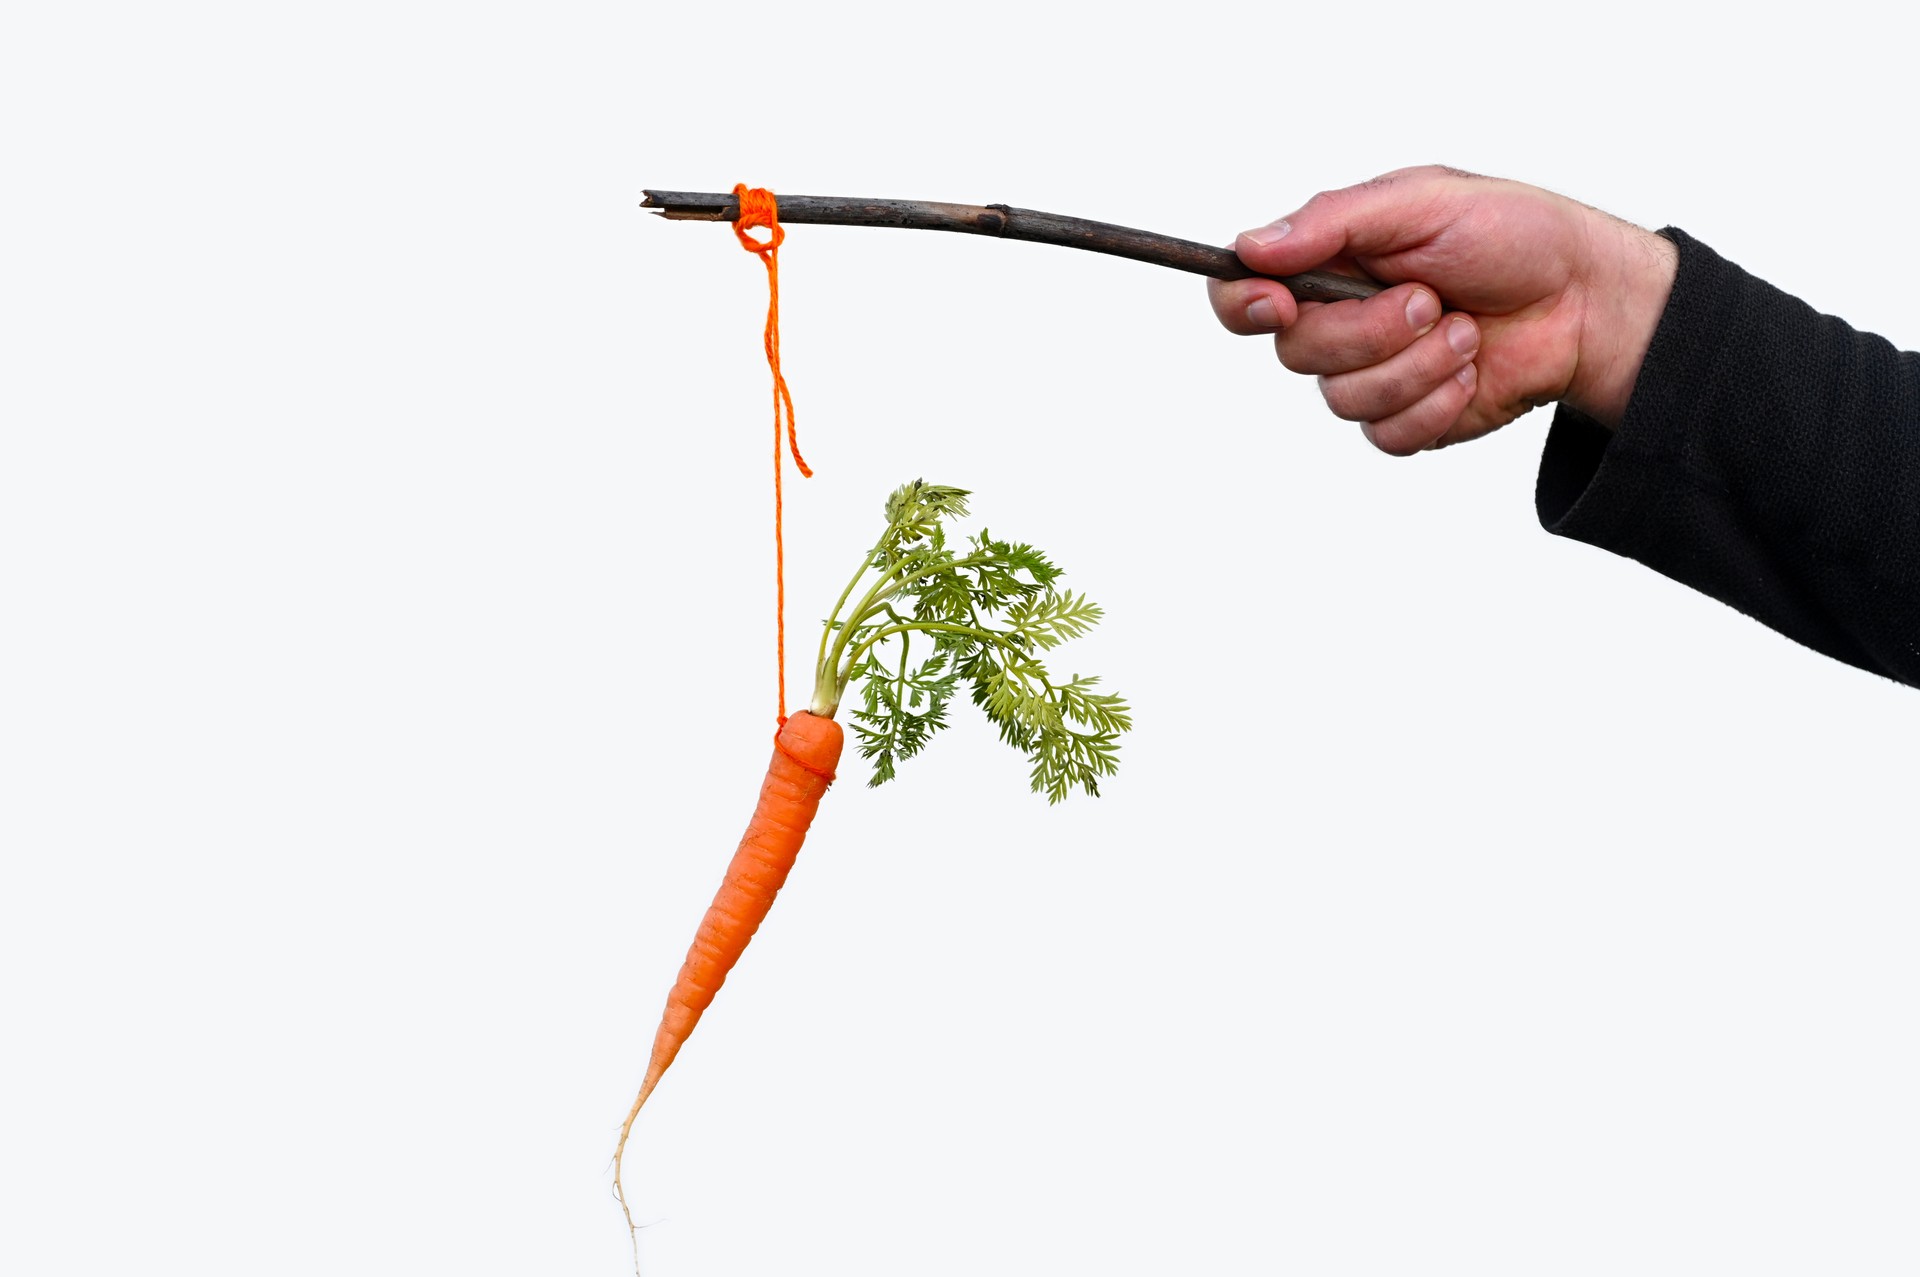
column 1387, row 215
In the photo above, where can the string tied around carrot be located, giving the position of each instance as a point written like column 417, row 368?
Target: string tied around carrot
column 759, row 209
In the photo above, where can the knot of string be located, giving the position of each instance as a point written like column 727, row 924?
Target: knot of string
column 759, row 210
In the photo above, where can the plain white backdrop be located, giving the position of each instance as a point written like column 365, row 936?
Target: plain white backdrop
column 386, row 667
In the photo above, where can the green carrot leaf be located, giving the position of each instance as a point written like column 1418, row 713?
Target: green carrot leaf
column 1050, row 619
column 990, row 609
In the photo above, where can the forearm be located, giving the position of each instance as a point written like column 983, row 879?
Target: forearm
column 1767, row 455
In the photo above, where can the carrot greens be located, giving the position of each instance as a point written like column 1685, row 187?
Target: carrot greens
column 979, row 612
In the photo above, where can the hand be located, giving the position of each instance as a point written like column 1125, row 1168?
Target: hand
column 1547, row 299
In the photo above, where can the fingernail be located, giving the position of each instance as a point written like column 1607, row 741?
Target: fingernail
column 1264, row 235
column 1422, row 309
column 1462, row 336
column 1261, row 313
column 1466, row 375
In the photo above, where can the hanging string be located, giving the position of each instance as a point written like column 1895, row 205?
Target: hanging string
column 758, row 208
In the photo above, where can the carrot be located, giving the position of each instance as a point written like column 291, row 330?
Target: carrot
column 990, row 610
column 805, row 752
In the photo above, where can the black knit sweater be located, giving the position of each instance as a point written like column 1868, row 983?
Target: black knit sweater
column 1770, row 457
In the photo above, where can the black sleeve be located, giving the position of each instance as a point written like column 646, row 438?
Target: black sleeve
column 1770, row 457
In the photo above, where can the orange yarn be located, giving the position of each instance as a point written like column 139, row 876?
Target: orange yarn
column 758, row 208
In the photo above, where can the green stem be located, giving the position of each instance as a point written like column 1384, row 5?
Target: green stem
column 820, row 661
column 878, row 594
column 828, row 671
column 830, row 675
column 937, row 569
column 992, row 636
column 827, row 692
column 826, row 631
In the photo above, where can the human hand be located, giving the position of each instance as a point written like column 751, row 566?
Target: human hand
column 1548, row 300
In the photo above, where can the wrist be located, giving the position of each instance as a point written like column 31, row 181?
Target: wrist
column 1630, row 277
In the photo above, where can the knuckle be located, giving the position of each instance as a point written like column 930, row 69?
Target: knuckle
column 1431, row 357
column 1400, row 437
column 1415, row 429
column 1437, row 361
column 1231, row 313
column 1342, row 399
column 1381, row 335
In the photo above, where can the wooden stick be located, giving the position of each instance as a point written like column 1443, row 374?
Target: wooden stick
column 1010, row 223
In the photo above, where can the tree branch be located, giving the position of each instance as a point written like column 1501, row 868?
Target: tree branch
column 1009, row 223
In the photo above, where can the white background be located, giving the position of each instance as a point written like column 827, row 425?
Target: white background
column 387, row 672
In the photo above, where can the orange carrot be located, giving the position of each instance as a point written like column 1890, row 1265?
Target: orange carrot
column 805, row 752
column 991, row 611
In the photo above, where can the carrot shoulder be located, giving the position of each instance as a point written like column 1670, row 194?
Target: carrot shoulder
column 805, row 752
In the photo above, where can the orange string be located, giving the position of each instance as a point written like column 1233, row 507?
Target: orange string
column 758, row 208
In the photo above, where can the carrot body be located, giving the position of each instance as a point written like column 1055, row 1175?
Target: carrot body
column 805, row 752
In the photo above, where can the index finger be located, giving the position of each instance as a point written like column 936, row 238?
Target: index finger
column 1252, row 307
